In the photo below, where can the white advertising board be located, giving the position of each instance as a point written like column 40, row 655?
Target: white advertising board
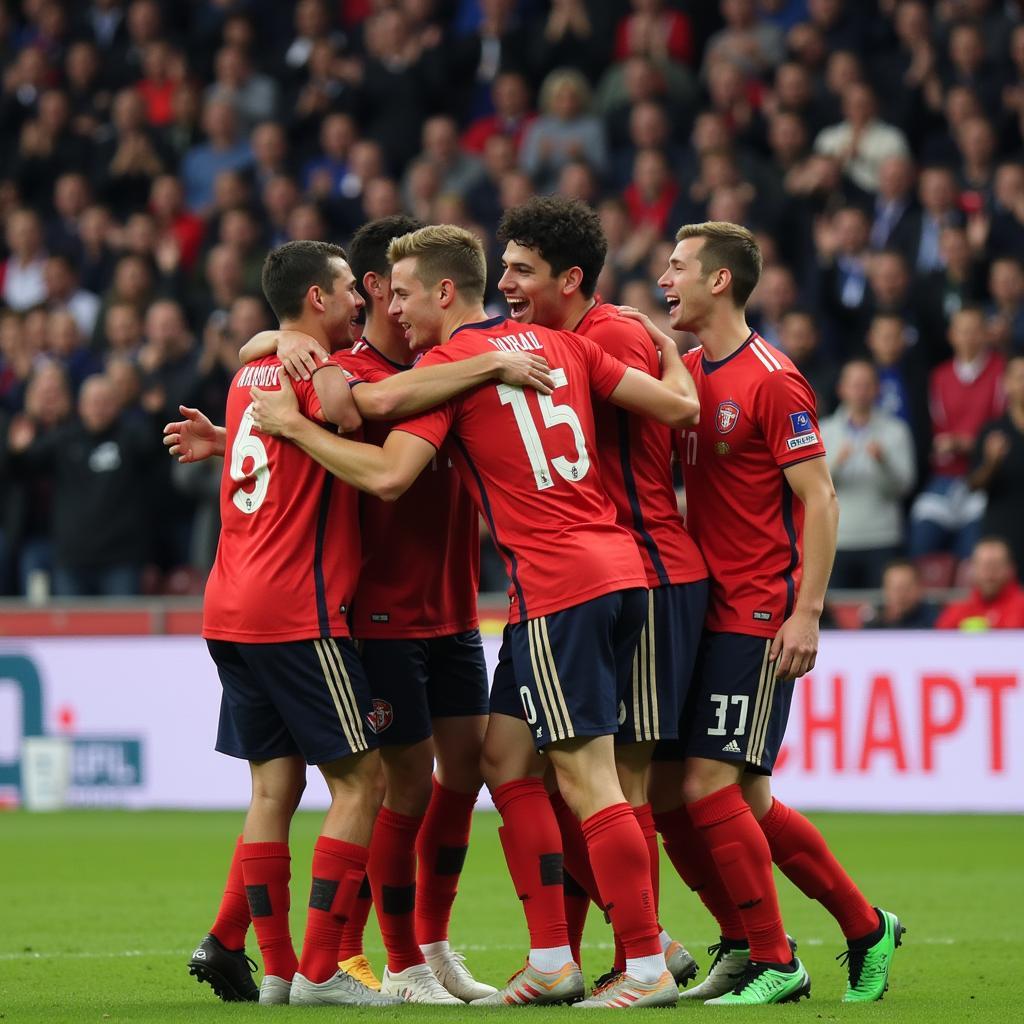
column 887, row 722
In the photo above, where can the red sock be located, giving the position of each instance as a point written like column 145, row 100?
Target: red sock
column 741, row 854
column 392, row 873
column 266, row 869
column 533, row 850
column 645, row 819
column 441, row 851
column 622, row 869
column 338, row 870
column 580, row 887
column 804, row 858
column 352, row 933
column 233, row 917
column 577, row 904
column 692, row 860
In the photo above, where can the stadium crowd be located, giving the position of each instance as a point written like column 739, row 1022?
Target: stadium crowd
column 153, row 152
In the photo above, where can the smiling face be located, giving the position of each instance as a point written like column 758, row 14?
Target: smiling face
column 688, row 290
column 415, row 307
column 534, row 295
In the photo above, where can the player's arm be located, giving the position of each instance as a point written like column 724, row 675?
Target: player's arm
column 385, row 472
column 796, row 643
column 423, row 387
column 335, row 398
column 195, row 437
column 300, row 354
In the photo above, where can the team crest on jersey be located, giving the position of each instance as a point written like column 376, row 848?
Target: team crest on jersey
column 381, row 716
column 727, row 416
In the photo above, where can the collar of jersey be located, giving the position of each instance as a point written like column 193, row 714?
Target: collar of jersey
column 391, row 362
column 709, row 367
column 483, row 325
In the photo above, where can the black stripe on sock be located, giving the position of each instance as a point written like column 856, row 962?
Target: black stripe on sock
column 398, row 899
column 551, row 869
column 322, row 893
column 450, row 860
column 259, row 900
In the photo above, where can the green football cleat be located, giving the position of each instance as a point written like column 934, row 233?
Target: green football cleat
column 869, row 968
column 761, row 985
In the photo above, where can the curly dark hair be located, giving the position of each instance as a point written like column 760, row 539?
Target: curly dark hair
column 368, row 250
column 566, row 232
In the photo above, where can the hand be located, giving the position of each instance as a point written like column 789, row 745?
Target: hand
column 996, row 447
column 300, row 354
column 20, row 434
column 275, row 412
column 665, row 344
column 944, row 444
column 796, row 645
column 192, row 439
column 525, row 370
column 844, row 454
column 874, row 449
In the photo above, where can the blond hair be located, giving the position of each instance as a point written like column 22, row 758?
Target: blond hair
column 729, row 246
column 444, row 251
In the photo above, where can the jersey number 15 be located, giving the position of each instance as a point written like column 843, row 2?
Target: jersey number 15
column 553, row 416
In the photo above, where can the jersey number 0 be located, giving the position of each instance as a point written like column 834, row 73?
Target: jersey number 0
column 553, row 416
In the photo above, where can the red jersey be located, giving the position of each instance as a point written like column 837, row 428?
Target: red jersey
column 635, row 453
column 974, row 613
column 528, row 462
column 757, row 417
column 421, row 554
column 288, row 556
column 962, row 403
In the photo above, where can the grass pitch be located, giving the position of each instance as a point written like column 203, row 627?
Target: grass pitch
column 100, row 910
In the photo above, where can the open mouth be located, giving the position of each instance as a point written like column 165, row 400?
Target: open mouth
column 673, row 303
column 517, row 307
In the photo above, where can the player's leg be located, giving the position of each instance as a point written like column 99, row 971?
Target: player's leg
column 803, row 856
column 398, row 673
column 583, row 655
column 457, row 692
column 251, row 728
column 322, row 698
column 739, row 712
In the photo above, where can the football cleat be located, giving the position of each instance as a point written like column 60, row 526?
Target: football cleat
column 417, row 984
column 730, row 960
column 359, row 967
column 762, row 985
column 622, row 992
column 340, row 989
column 540, row 988
column 869, row 968
column 451, row 971
column 227, row 971
column 678, row 960
column 274, row 991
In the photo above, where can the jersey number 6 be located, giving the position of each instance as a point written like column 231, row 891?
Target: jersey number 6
column 553, row 416
column 248, row 445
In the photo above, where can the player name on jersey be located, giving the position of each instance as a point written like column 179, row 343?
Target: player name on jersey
column 526, row 342
column 257, row 375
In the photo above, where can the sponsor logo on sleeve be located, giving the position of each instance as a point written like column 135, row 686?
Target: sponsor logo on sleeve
column 801, row 422
column 727, row 416
column 802, row 441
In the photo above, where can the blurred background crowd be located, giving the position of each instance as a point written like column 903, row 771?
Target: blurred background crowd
column 153, row 151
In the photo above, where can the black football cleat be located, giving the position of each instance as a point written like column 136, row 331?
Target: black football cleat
column 227, row 971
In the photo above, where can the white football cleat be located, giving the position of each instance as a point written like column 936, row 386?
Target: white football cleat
column 274, row 991
column 417, row 984
column 451, row 971
column 340, row 990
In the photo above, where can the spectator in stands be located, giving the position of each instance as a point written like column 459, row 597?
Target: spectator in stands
column 861, row 142
column 164, row 69
column 937, row 192
column 253, row 95
column 98, row 466
column 459, row 171
column 752, row 42
column 996, row 600
column 999, row 465
column 225, row 149
column 895, row 203
column 964, row 394
column 800, row 339
column 576, row 34
column 512, row 114
column 903, row 602
column 63, row 292
column 122, row 330
column 1006, row 310
column 943, row 291
column 775, row 295
column 1002, row 232
column 127, row 158
column 968, row 64
column 841, row 242
column 22, row 277
column 871, row 458
column 324, row 173
column 565, row 130
column 65, row 342
column 652, row 194
column 175, row 225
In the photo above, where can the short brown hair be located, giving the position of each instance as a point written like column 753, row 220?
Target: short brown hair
column 730, row 246
column 444, row 251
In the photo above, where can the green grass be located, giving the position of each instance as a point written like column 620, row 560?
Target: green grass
column 99, row 911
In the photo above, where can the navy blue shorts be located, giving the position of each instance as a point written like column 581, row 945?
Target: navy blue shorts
column 414, row 681
column 737, row 710
column 663, row 663
column 566, row 673
column 307, row 697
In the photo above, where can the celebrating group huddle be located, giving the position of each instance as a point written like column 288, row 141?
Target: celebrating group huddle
column 646, row 671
